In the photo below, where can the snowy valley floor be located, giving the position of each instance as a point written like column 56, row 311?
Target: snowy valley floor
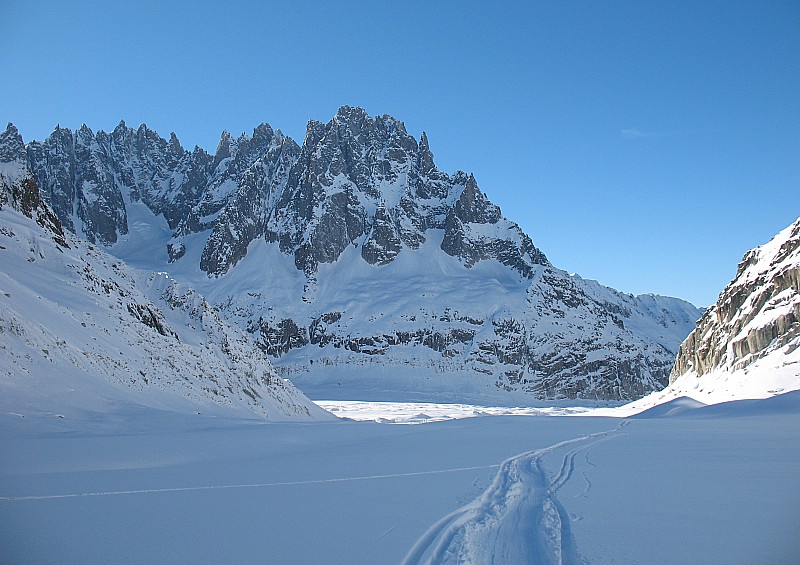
column 719, row 484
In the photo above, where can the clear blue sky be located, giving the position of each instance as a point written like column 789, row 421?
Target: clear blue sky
column 643, row 144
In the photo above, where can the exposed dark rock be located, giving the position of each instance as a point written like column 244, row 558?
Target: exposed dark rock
column 383, row 243
column 151, row 317
column 244, row 217
column 18, row 187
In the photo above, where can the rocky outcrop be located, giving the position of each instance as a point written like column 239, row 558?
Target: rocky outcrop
column 383, row 243
column 357, row 181
column 75, row 174
column 87, row 179
column 18, row 188
column 757, row 314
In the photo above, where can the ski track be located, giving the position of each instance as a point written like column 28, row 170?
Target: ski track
column 247, row 485
column 517, row 519
column 585, row 493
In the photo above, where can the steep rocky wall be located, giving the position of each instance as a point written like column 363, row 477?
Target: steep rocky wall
column 757, row 314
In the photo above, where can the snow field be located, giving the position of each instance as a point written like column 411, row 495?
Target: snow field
column 713, row 485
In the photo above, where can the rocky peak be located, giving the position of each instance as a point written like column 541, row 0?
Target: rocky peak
column 352, row 119
column 74, row 171
column 366, row 181
column 18, row 187
column 53, row 166
column 474, row 230
column 473, row 207
column 262, row 134
column 357, row 180
column 243, row 219
column 145, row 136
column 84, row 134
column 223, row 149
column 314, row 132
column 424, row 157
column 12, row 147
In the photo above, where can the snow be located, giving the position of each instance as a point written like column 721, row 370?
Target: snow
column 426, row 412
column 143, row 245
column 12, row 172
column 101, row 466
column 140, row 485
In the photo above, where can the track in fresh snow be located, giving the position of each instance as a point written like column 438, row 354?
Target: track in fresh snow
column 245, row 485
column 516, row 520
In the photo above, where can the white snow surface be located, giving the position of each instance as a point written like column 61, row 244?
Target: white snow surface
column 765, row 378
column 425, row 412
column 125, row 443
column 12, row 172
column 717, row 485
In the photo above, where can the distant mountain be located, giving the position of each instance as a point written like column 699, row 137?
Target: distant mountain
column 357, row 264
column 747, row 345
column 81, row 331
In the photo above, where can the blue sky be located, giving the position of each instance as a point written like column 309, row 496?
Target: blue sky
column 643, row 144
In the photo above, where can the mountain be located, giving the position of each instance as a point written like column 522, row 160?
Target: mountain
column 747, row 345
column 82, row 332
column 357, row 265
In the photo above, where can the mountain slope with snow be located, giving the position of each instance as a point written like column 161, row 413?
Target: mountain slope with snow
column 747, row 345
column 358, row 265
column 82, row 332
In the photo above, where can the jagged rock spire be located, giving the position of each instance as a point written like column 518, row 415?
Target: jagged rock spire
column 18, row 187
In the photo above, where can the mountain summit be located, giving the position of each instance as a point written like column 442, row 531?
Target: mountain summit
column 357, row 264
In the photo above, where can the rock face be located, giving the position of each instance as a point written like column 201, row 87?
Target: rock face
column 756, row 317
column 243, row 217
column 18, row 188
column 354, row 254
column 361, row 178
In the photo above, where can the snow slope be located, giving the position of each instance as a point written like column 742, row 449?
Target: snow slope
column 81, row 332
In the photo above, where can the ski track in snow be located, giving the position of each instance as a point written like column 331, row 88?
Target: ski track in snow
column 585, row 493
column 246, row 485
column 516, row 520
